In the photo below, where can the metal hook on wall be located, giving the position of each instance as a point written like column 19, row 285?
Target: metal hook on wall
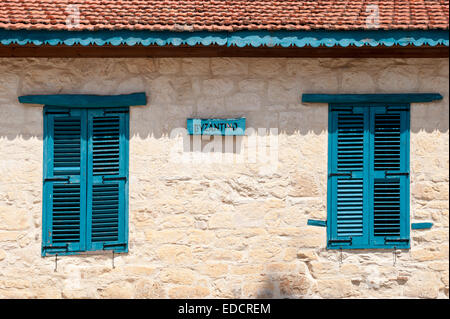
column 395, row 255
column 56, row 262
column 113, row 258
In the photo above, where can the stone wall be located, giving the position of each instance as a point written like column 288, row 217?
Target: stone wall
column 232, row 230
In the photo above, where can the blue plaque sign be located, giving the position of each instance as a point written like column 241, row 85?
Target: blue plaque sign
column 227, row 127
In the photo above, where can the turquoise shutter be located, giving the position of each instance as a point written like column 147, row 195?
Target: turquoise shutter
column 347, row 179
column 107, row 181
column 64, row 183
column 390, row 176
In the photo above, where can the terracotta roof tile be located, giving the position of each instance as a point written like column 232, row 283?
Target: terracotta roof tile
column 223, row 15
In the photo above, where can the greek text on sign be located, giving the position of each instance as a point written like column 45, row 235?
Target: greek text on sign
column 226, row 127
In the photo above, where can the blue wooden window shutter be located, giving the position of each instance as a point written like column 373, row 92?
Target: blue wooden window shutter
column 64, row 188
column 107, row 182
column 348, row 169
column 389, row 176
column 368, row 182
column 85, row 192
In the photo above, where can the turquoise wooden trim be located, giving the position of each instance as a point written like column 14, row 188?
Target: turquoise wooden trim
column 380, row 176
column 330, row 137
column 406, row 147
column 126, row 164
column 421, row 225
column 318, row 223
column 226, row 127
column 121, row 244
column 86, row 100
column 85, row 179
column 334, row 239
column 50, row 113
column 317, row 38
column 368, row 240
column 47, row 155
column 371, row 98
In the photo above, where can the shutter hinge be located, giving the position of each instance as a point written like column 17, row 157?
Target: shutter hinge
column 340, row 241
column 396, row 109
column 396, row 174
column 58, row 179
column 66, row 247
column 396, row 240
column 120, row 178
column 57, row 112
column 115, row 112
column 340, row 174
column 106, row 246
column 348, row 109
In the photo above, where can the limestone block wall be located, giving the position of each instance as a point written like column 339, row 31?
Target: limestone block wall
column 236, row 228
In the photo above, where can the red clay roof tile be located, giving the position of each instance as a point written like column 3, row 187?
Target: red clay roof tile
column 224, row 15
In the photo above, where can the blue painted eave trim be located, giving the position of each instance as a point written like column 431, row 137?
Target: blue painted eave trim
column 317, row 38
column 86, row 100
column 371, row 98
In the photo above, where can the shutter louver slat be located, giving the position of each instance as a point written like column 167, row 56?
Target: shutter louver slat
column 391, row 180
column 66, row 213
column 105, row 197
column 105, row 212
column 66, row 146
column 106, row 145
column 350, row 207
column 66, row 198
column 350, row 142
column 350, row 151
column 387, row 142
column 387, row 208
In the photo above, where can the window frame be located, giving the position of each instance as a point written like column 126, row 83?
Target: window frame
column 405, row 217
column 47, row 158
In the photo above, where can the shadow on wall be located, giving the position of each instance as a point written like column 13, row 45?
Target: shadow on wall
column 287, row 286
column 155, row 120
column 26, row 121
column 20, row 121
column 226, row 144
column 430, row 117
column 266, row 91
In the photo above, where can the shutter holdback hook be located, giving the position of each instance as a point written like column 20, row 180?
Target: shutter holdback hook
column 113, row 258
column 56, row 263
column 395, row 255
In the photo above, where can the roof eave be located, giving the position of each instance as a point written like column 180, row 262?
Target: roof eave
column 239, row 39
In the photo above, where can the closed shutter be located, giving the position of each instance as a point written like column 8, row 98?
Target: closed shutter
column 64, row 186
column 390, row 176
column 348, row 168
column 107, row 184
column 368, row 198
